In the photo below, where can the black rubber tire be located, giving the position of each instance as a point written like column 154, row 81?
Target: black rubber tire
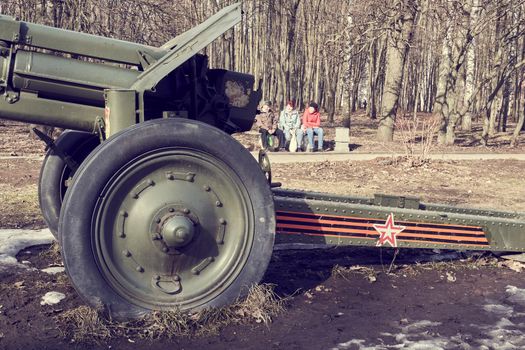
column 265, row 165
column 76, row 219
column 54, row 173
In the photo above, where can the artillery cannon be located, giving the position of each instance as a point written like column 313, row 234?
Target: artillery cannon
column 154, row 204
column 166, row 209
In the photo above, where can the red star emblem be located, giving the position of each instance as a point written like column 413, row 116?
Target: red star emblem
column 388, row 232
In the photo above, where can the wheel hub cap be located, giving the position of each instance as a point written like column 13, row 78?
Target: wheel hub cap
column 178, row 232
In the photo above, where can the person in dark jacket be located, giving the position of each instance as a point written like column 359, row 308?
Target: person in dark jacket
column 268, row 122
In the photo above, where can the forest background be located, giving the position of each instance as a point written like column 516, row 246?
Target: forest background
column 460, row 60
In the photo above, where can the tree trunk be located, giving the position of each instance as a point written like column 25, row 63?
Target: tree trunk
column 521, row 122
column 466, row 120
column 390, row 100
column 398, row 46
column 455, row 46
column 441, row 106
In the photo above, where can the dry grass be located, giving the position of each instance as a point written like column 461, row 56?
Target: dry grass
column 340, row 271
column 52, row 254
column 417, row 137
column 84, row 324
column 473, row 261
column 62, row 279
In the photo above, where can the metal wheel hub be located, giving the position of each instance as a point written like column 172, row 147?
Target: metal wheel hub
column 173, row 228
column 177, row 232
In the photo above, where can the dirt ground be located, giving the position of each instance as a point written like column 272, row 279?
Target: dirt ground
column 338, row 298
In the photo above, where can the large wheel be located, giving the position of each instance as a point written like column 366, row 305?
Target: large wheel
column 167, row 214
column 55, row 174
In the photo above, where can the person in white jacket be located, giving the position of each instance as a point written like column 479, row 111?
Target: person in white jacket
column 290, row 124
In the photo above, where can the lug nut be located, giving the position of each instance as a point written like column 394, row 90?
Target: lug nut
column 140, row 269
column 186, row 211
column 126, row 253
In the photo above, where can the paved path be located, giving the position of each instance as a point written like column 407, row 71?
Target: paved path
column 25, row 157
column 286, row 157
column 303, row 157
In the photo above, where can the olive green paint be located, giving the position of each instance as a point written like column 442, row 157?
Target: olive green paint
column 505, row 231
column 61, row 88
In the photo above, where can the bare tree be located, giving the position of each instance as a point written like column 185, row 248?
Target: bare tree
column 403, row 18
column 455, row 58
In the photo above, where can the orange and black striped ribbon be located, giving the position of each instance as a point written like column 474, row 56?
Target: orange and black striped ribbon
column 362, row 228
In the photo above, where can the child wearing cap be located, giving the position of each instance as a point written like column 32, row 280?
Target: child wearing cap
column 312, row 126
column 268, row 122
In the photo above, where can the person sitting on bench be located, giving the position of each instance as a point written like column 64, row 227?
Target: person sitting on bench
column 312, row 125
column 290, row 124
column 267, row 122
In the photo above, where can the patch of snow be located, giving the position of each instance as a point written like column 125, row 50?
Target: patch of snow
column 356, row 344
column 424, row 344
column 6, row 260
column 420, row 336
column 504, row 335
column 414, row 336
column 54, row 270
column 500, row 310
column 419, row 325
column 515, row 295
column 52, row 298
column 13, row 241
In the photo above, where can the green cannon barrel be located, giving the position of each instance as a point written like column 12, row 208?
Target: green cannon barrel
column 83, row 44
column 57, row 77
column 67, row 79
column 75, row 80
